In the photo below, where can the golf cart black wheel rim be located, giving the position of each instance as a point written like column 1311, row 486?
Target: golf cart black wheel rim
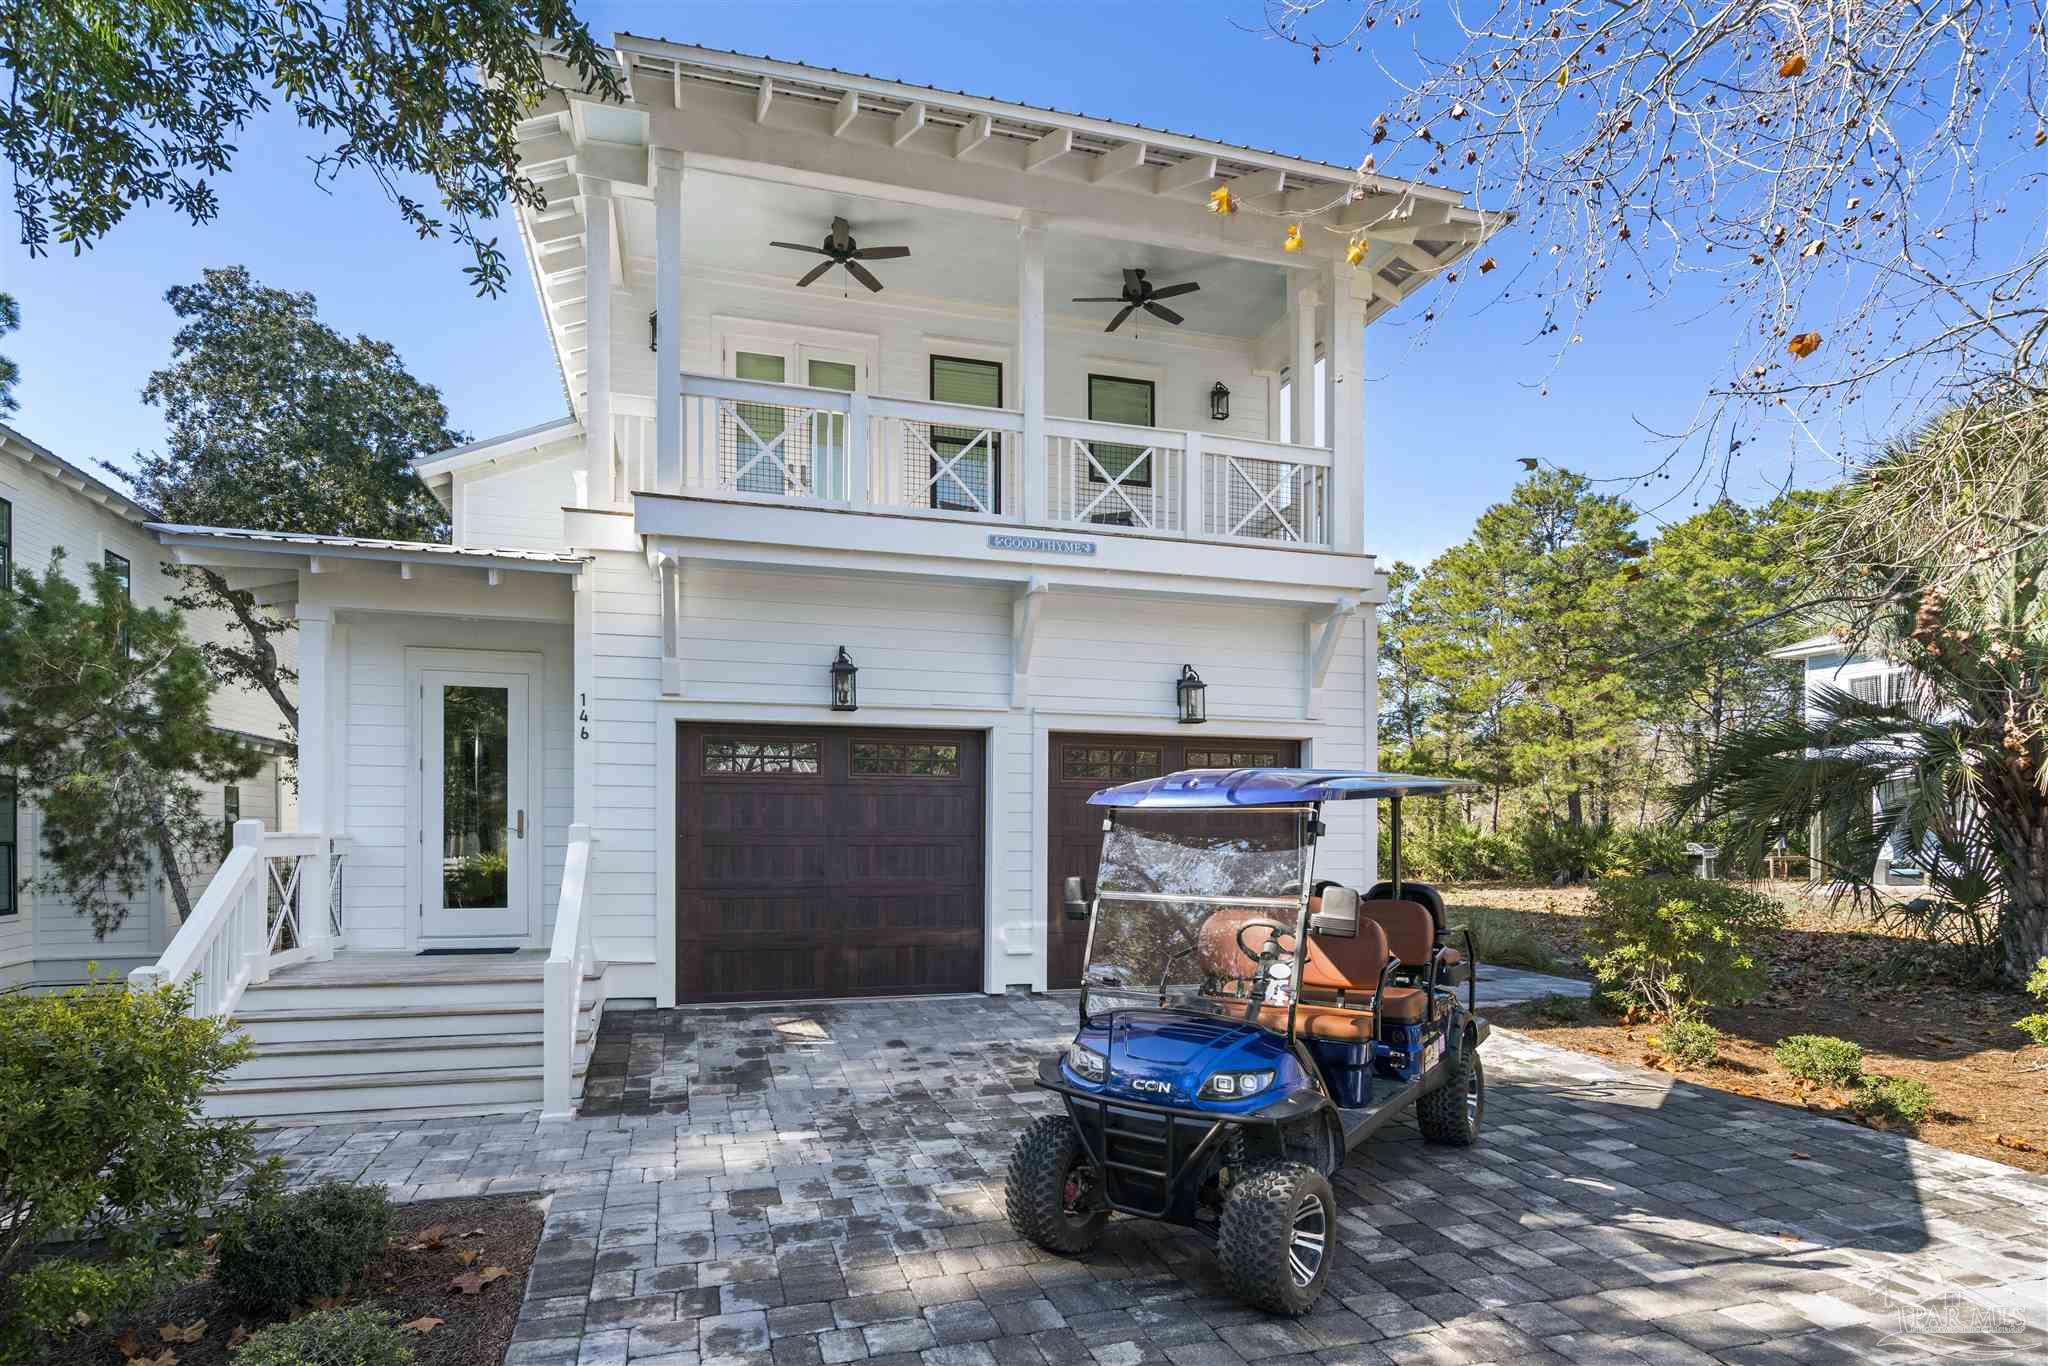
column 1079, row 1190
column 1472, row 1085
column 1308, row 1242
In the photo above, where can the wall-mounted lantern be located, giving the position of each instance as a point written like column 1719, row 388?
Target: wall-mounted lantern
column 1194, row 709
column 845, row 695
column 1219, row 403
column 654, row 332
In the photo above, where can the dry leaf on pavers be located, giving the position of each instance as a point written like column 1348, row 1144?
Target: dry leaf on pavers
column 423, row 1325
column 191, row 1332
column 474, row 1233
column 473, row 1282
column 429, row 1238
column 468, row 1256
column 1802, row 1157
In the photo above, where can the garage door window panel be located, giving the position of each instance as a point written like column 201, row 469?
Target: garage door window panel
column 761, row 758
column 891, row 759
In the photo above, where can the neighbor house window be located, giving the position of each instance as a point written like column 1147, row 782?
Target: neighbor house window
column 1887, row 689
column 117, row 565
column 230, row 812
column 971, row 457
column 6, row 546
column 1128, row 402
column 10, row 902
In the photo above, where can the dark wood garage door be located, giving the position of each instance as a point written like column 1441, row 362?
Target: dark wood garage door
column 823, row 862
column 1082, row 765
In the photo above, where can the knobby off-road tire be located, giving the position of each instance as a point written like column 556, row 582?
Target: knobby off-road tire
column 1452, row 1113
column 1047, row 1155
column 1278, row 1237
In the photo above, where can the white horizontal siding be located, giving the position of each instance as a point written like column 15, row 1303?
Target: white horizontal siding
column 517, row 503
column 1122, row 656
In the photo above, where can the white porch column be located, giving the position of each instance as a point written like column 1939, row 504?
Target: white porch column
column 1344, row 383
column 1369, row 619
column 583, row 646
column 597, row 343
column 668, row 319
column 1031, row 363
column 1301, row 306
column 316, row 762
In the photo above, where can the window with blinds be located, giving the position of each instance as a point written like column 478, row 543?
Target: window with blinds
column 9, row 869
column 976, row 384
column 1112, row 398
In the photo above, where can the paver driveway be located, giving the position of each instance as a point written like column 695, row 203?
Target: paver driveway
column 798, row 1186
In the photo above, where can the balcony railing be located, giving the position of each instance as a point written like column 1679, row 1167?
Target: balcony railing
column 754, row 441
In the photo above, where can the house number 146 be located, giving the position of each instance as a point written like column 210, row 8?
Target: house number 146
column 583, row 716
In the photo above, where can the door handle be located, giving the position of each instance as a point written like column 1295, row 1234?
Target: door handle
column 519, row 828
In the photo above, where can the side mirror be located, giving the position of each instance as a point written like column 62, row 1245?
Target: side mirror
column 1076, row 899
column 1339, row 915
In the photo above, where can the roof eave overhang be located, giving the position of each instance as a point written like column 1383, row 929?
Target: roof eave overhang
column 193, row 547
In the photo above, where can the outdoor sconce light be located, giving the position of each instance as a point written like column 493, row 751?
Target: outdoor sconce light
column 1193, row 709
column 845, row 696
column 1219, row 403
column 654, row 332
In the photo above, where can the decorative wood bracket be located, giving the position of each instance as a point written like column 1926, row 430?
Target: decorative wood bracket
column 1322, row 638
column 1024, row 617
column 668, row 576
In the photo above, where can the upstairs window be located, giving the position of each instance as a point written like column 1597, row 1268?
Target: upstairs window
column 118, row 566
column 1112, row 398
column 971, row 458
column 6, row 546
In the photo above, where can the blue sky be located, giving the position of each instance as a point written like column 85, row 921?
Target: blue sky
column 1447, row 415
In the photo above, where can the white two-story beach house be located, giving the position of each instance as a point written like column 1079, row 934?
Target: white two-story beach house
column 930, row 461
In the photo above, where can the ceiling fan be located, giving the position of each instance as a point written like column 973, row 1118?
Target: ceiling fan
column 840, row 249
column 1139, row 293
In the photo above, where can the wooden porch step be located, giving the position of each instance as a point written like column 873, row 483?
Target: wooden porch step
column 471, row 1090
column 404, row 1055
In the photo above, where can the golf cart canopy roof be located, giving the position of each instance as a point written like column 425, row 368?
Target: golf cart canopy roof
column 1197, row 788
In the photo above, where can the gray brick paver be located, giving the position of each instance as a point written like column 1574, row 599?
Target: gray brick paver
column 830, row 1192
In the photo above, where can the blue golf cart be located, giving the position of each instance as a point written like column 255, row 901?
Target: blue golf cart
column 1244, row 1026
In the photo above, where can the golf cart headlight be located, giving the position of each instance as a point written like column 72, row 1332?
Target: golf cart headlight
column 1088, row 1064
column 1235, row 1085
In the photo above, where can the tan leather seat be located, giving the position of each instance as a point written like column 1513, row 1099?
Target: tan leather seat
column 1337, row 980
column 1409, row 927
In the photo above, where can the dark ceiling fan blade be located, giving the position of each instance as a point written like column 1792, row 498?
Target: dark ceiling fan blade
column 798, row 246
column 880, row 253
column 814, row 272
column 1118, row 320
column 864, row 275
column 1172, row 291
column 1163, row 312
column 1103, row 299
column 1134, row 280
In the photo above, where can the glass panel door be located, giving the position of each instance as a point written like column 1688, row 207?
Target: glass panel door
column 475, row 815
column 828, row 368
column 972, row 477
column 1128, row 401
column 760, row 462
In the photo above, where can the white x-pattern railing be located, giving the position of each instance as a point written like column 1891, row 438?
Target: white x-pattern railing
column 945, row 486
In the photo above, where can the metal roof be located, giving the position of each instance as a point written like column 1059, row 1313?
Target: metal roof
column 1207, row 788
column 365, row 547
column 669, row 49
column 489, row 448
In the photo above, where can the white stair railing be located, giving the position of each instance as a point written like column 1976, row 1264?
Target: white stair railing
column 570, row 957
column 274, row 901
column 225, row 943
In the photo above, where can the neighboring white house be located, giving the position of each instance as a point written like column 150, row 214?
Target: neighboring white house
column 47, row 502
column 1022, row 526
column 1829, row 663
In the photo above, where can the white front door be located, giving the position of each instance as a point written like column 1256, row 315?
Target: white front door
column 477, row 822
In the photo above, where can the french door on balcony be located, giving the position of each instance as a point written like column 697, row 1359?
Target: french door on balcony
column 788, row 449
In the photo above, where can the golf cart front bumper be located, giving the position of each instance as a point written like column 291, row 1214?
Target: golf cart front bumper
column 1147, row 1153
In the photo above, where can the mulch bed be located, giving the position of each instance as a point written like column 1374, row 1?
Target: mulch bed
column 1830, row 973
column 431, row 1245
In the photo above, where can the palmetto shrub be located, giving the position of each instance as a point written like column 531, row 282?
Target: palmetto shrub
column 1670, row 947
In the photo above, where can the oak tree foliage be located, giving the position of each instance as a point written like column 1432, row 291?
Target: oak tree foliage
column 112, row 104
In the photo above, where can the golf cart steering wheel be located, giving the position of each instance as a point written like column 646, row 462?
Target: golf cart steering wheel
column 1273, row 948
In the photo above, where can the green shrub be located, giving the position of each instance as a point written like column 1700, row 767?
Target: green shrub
column 332, row 1337
column 1452, row 851
column 1671, row 946
column 1504, row 937
column 1555, row 851
column 52, row 1296
column 1642, row 851
column 1691, row 1043
column 276, row 1250
column 2035, row 1026
column 101, row 1136
column 1820, row 1058
column 1900, row 1100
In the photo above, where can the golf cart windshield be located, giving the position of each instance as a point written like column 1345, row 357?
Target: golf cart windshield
column 1186, row 902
